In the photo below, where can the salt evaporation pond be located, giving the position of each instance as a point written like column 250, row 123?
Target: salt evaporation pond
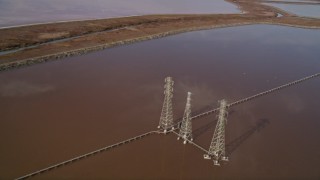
column 17, row 12
column 54, row 111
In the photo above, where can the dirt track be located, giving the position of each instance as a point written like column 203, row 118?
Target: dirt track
column 95, row 35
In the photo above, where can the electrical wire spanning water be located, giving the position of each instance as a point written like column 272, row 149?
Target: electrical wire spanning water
column 177, row 125
column 258, row 95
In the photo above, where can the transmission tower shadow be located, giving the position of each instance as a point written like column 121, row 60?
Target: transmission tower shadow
column 197, row 132
column 234, row 144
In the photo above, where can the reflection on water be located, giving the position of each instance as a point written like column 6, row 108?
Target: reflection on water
column 17, row 88
column 301, row 10
column 17, row 12
column 90, row 101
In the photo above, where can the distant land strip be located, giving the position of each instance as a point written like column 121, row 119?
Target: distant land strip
column 28, row 45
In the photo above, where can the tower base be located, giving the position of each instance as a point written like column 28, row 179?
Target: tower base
column 216, row 163
column 224, row 158
column 206, row 156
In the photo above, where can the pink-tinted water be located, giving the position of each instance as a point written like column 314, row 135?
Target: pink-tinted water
column 54, row 111
column 17, row 12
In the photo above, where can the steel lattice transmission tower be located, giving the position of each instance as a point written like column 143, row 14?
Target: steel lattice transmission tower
column 166, row 118
column 186, row 126
column 217, row 147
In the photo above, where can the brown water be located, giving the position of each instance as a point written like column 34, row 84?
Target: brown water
column 54, row 111
column 17, row 12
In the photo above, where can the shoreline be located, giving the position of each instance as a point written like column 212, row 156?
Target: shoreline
column 82, row 51
column 66, row 21
column 99, row 34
